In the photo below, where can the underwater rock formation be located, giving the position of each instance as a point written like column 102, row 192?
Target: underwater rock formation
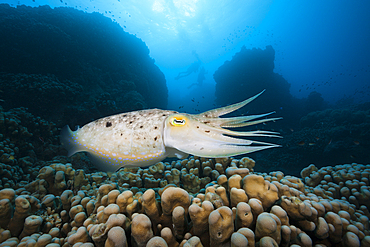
column 249, row 72
column 75, row 53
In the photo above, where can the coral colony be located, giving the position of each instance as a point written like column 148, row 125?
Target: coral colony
column 191, row 202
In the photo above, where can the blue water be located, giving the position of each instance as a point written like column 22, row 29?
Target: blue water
column 319, row 46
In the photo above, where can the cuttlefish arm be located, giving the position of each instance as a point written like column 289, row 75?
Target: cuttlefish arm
column 235, row 122
column 212, row 117
column 204, row 134
column 227, row 109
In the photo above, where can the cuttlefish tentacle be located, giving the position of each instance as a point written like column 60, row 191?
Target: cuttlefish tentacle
column 227, row 109
column 237, row 125
column 236, row 122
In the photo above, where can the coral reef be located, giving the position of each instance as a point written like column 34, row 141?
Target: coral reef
column 251, row 71
column 35, row 90
column 53, row 55
column 327, row 137
column 25, row 142
column 47, row 201
column 67, row 207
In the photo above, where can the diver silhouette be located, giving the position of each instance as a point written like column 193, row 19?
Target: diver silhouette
column 200, row 78
column 193, row 68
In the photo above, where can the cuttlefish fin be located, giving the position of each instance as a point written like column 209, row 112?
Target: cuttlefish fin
column 66, row 138
column 227, row 109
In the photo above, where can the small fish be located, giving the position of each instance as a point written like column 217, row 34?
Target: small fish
column 301, row 143
column 42, row 140
column 311, row 144
column 356, row 142
column 143, row 138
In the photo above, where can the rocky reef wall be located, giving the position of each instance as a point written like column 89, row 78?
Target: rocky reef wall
column 249, row 72
column 69, row 66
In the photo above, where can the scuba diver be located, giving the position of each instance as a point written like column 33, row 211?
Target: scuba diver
column 200, row 78
column 192, row 68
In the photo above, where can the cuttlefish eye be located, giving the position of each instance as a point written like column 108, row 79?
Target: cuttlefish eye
column 177, row 121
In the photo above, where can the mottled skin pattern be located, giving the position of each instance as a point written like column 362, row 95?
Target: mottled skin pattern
column 125, row 139
column 138, row 132
column 142, row 138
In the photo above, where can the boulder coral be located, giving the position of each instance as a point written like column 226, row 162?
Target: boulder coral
column 221, row 226
column 274, row 211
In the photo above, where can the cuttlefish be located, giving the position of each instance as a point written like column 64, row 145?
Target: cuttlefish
column 143, row 138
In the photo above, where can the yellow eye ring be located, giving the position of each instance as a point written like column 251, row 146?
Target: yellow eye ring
column 178, row 121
